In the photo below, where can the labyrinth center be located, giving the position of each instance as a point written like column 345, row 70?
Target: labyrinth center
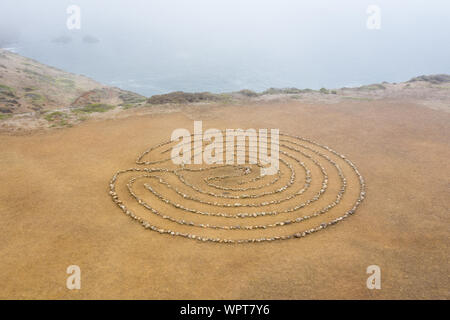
column 314, row 189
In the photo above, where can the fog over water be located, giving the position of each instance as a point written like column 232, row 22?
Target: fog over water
column 158, row 46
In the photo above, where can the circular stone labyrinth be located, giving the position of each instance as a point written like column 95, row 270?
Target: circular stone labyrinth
column 314, row 188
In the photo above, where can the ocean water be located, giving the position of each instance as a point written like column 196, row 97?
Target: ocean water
column 154, row 47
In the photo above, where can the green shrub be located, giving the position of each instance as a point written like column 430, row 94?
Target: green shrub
column 35, row 97
column 180, row 97
column 128, row 106
column 7, row 91
column 130, row 98
column 94, row 107
column 65, row 83
column 57, row 115
column 5, row 116
column 434, row 78
column 248, row 93
column 376, row 86
column 283, row 91
column 57, row 119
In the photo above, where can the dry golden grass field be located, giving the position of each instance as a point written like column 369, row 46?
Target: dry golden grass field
column 55, row 210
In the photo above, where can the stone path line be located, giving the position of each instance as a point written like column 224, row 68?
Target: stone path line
column 241, row 195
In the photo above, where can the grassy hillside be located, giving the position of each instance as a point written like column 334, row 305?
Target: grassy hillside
column 27, row 85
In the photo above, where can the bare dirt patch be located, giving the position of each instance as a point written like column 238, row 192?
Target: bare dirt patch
column 55, row 211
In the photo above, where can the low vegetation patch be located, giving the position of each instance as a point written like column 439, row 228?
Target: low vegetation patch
column 434, row 79
column 61, row 123
column 58, row 119
column 5, row 116
column 130, row 98
column 7, row 91
column 29, row 89
column 7, row 99
column 248, row 93
column 54, row 116
column 376, row 86
column 285, row 91
column 65, row 83
column 5, row 109
column 35, row 98
column 38, row 76
column 94, row 107
column 180, row 97
column 129, row 106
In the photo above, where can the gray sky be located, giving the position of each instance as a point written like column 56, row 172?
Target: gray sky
column 315, row 43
